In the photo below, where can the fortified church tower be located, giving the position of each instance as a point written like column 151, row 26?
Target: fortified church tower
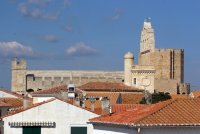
column 168, row 65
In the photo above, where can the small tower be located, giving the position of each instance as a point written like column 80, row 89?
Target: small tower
column 128, row 63
column 147, row 40
column 18, row 75
column 19, row 64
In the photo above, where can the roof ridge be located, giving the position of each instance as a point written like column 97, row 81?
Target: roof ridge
column 75, row 105
column 48, row 89
column 155, row 111
column 32, row 106
column 8, row 91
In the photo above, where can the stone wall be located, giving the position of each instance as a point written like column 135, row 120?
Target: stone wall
column 45, row 79
column 169, row 63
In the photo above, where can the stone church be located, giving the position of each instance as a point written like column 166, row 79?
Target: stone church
column 158, row 70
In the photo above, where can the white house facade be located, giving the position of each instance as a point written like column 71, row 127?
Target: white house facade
column 52, row 117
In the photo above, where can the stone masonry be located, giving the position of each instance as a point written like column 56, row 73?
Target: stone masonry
column 50, row 78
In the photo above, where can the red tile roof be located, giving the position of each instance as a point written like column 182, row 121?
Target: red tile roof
column 53, row 90
column 179, row 96
column 116, row 108
column 126, row 97
column 132, row 98
column 14, row 102
column 180, row 112
column 113, row 96
column 3, row 104
column 108, row 86
column 195, row 94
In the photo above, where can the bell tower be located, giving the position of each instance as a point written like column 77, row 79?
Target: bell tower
column 147, row 40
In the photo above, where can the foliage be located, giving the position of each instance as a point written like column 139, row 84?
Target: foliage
column 157, row 97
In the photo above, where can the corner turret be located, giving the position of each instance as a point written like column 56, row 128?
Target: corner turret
column 128, row 63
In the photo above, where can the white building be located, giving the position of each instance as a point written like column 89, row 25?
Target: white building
column 54, row 116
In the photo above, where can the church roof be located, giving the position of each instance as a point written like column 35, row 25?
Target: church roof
column 180, row 112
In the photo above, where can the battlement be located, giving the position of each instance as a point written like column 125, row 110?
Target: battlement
column 143, row 67
column 177, row 50
column 19, row 64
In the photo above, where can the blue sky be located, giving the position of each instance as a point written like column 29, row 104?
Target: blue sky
column 94, row 34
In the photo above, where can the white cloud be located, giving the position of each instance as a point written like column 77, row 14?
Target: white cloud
column 80, row 49
column 117, row 15
column 66, row 2
column 40, row 2
column 11, row 49
column 23, row 9
column 37, row 13
column 51, row 38
column 68, row 28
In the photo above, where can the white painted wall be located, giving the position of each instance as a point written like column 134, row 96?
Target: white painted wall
column 126, row 130
column 40, row 99
column 57, row 111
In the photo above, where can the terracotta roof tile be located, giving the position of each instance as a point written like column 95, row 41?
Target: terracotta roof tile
column 3, row 104
column 113, row 96
column 171, row 112
column 130, row 116
column 195, row 94
column 132, row 98
column 15, row 102
column 179, row 96
column 125, row 107
column 53, row 90
column 181, row 111
column 108, row 86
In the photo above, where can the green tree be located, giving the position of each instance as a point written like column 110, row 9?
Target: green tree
column 157, row 97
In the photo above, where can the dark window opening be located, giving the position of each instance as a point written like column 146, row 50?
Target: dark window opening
column 71, row 89
column 78, row 130
column 31, row 130
column 134, row 81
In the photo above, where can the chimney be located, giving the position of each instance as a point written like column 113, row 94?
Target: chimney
column 64, row 95
column 105, row 103
column 92, row 105
column 77, row 102
column 26, row 102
